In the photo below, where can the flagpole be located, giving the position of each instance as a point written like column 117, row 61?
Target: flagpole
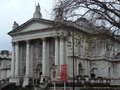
column 64, row 85
column 54, row 85
column 73, row 58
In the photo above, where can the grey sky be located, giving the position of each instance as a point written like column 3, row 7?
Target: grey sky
column 19, row 11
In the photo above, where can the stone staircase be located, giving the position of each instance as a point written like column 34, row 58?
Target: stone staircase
column 14, row 87
column 59, row 86
column 79, row 85
column 5, row 85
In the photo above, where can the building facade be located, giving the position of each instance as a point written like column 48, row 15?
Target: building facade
column 41, row 46
column 5, row 64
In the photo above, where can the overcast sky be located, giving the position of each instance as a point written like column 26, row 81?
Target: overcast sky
column 19, row 11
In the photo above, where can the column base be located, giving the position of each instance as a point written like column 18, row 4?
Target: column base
column 42, row 79
column 37, row 88
column 15, row 79
column 26, row 81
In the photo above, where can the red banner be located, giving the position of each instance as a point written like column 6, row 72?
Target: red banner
column 64, row 72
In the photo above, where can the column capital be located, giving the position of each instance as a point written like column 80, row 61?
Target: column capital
column 13, row 43
column 62, row 38
column 27, row 41
column 16, row 42
column 43, row 39
column 56, row 37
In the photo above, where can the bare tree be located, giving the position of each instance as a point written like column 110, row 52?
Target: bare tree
column 105, row 13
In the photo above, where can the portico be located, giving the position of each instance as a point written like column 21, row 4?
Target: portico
column 36, row 47
column 36, row 52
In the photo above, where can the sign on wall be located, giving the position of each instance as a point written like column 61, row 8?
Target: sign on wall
column 64, row 72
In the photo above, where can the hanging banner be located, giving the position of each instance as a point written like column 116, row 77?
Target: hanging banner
column 64, row 72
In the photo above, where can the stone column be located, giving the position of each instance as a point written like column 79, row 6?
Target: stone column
column 57, row 55
column 13, row 60
column 61, row 51
column 44, row 57
column 17, row 59
column 31, row 60
column 27, row 58
column 27, row 73
column 12, row 78
column 17, row 78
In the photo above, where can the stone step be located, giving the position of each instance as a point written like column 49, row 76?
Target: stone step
column 14, row 87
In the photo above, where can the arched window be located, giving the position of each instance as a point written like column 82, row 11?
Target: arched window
column 80, row 69
column 53, row 71
column 38, row 71
column 109, row 72
column 117, row 55
column 37, row 49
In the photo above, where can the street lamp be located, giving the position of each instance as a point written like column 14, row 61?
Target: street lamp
column 73, row 44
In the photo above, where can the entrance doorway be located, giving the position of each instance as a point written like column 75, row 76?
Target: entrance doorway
column 80, row 69
column 38, row 73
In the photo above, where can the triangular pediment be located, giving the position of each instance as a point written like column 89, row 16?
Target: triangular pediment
column 35, row 26
column 32, row 25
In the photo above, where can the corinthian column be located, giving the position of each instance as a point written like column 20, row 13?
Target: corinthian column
column 26, row 78
column 13, row 60
column 44, row 57
column 27, row 58
column 57, row 55
column 17, row 59
column 15, row 64
column 61, row 51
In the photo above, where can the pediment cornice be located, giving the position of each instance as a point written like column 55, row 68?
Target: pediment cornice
column 32, row 21
column 37, row 31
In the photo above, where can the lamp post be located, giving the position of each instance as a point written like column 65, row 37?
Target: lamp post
column 69, row 34
column 73, row 57
column 54, row 76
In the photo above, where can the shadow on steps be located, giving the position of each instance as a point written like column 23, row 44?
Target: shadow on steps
column 14, row 87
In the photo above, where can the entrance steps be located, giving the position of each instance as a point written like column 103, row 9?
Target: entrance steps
column 14, row 87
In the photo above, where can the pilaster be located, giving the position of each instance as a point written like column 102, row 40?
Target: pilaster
column 13, row 60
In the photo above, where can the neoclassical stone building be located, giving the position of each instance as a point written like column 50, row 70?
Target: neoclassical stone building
column 40, row 44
